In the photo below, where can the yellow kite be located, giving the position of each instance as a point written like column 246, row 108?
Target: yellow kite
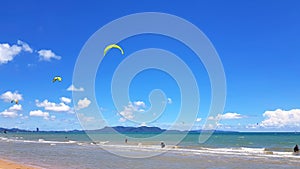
column 57, row 78
column 113, row 46
column 15, row 100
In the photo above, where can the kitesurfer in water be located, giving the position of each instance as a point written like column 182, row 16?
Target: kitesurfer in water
column 162, row 144
column 296, row 149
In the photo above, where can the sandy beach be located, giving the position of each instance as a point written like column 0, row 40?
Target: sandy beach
column 5, row 164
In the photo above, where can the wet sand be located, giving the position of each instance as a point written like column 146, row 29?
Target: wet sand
column 5, row 164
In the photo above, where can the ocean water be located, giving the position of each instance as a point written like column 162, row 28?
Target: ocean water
column 223, row 150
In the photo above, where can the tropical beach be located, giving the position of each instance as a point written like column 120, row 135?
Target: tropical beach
column 149, row 84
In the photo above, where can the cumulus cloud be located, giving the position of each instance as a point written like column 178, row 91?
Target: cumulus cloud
column 226, row 116
column 39, row 113
column 25, row 46
column 47, row 55
column 9, row 96
column 16, row 107
column 198, row 119
column 50, row 106
column 65, row 100
column 130, row 109
column 139, row 104
column 7, row 52
column 12, row 111
column 7, row 113
column 281, row 118
column 74, row 89
column 229, row 116
column 83, row 103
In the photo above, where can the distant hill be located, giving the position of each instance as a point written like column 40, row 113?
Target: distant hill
column 120, row 129
column 12, row 130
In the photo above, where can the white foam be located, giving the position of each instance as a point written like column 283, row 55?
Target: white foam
column 71, row 141
column 41, row 141
column 258, row 152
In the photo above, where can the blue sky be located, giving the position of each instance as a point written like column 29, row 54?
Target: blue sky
column 257, row 41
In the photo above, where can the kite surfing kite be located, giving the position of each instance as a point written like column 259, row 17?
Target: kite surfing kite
column 15, row 101
column 107, row 48
column 57, row 78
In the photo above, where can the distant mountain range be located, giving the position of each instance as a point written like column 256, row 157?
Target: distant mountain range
column 120, row 129
column 12, row 130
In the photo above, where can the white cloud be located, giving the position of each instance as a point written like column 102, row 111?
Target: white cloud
column 9, row 96
column 139, row 104
column 25, row 46
column 169, row 101
column 12, row 111
column 47, row 55
column 39, row 113
column 7, row 52
column 281, row 118
column 198, row 119
column 226, row 116
column 130, row 109
column 86, row 118
column 211, row 126
column 7, row 113
column 74, row 89
column 143, row 124
column 65, row 100
column 83, row 103
column 252, row 126
column 72, row 110
column 122, row 120
column 50, row 106
column 229, row 116
column 16, row 107
column 211, row 117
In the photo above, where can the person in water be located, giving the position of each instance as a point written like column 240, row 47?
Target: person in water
column 296, row 149
column 126, row 140
column 162, row 144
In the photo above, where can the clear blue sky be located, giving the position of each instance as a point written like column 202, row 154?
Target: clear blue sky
column 257, row 41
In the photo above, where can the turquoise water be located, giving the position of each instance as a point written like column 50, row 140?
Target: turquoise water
column 270, row 141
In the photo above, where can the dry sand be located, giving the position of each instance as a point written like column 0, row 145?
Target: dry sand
column 5, row 164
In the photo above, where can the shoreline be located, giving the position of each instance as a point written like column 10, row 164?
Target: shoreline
column 8, row 164
column 91, row 156
column 61, row 151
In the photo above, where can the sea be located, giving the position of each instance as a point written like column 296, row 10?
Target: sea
column 72, row 150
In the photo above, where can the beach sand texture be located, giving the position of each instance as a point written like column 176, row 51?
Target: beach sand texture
column 5, row 164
